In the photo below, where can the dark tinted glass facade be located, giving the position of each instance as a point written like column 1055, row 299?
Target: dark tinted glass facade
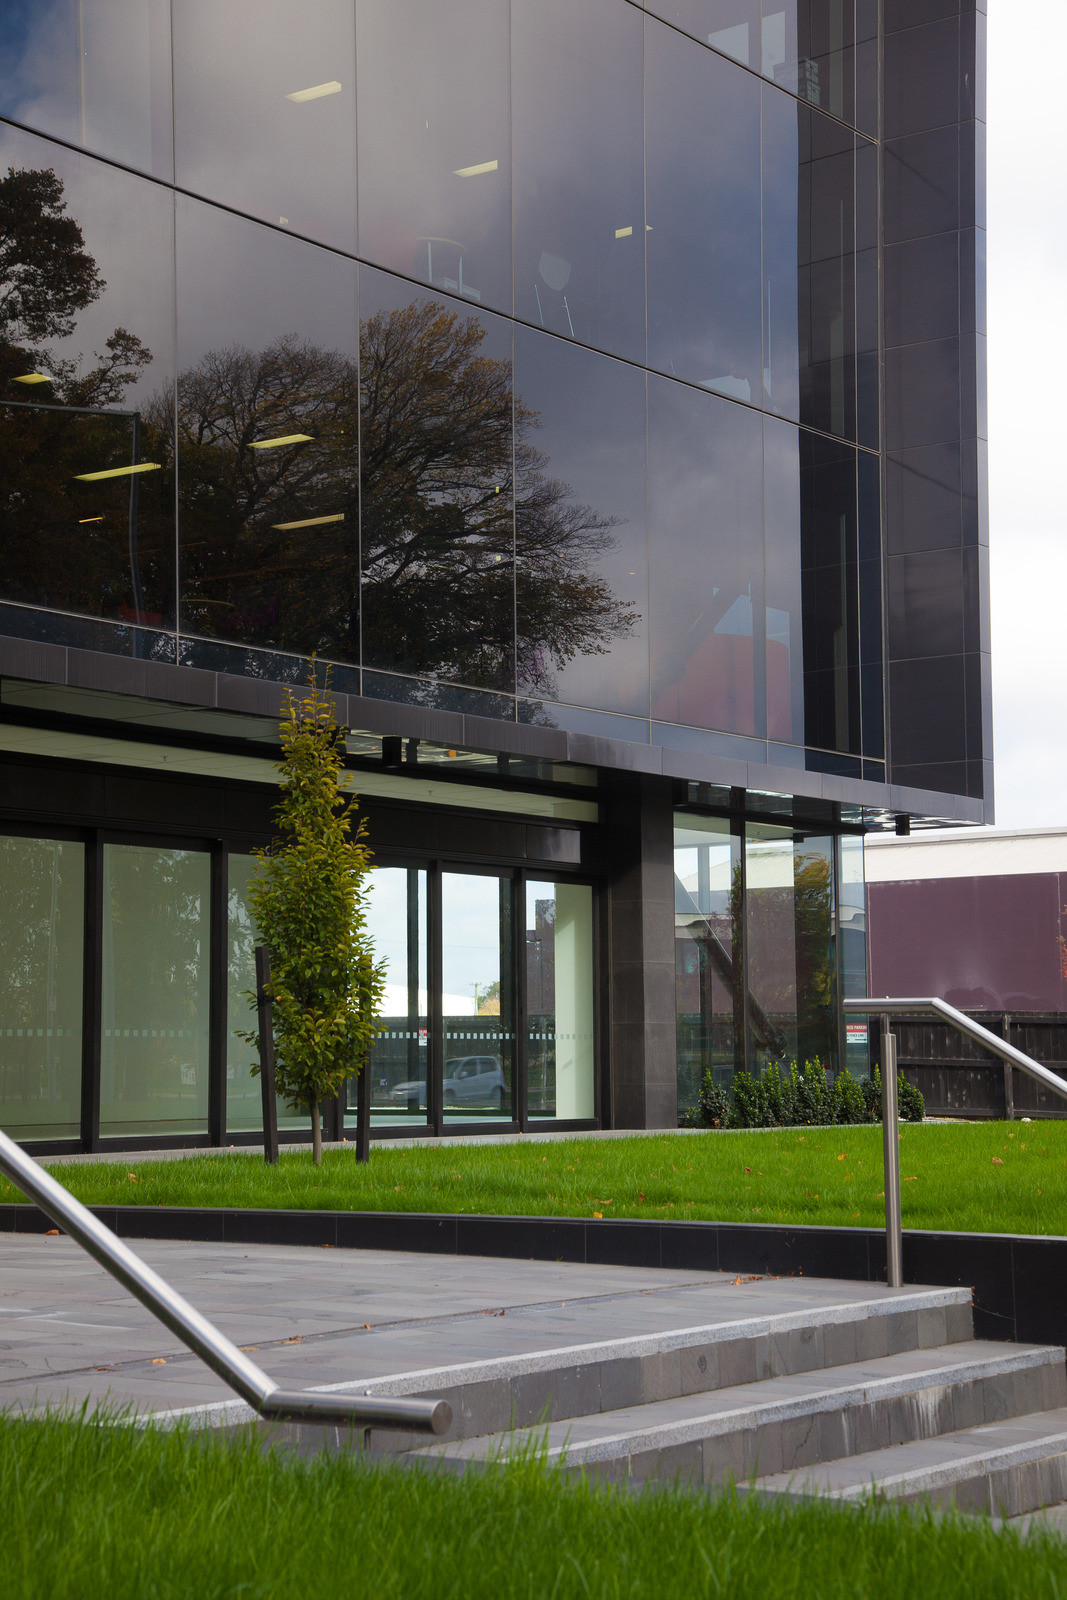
column 478, row 389
column 588, row 385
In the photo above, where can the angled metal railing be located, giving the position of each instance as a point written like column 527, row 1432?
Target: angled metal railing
column 894, row 1232
column 202, row 1337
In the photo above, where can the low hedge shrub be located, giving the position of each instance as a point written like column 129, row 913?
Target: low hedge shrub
column 802, row 1097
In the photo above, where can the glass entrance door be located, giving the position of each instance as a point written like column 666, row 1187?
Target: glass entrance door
column 399, row 1056
column 478, row 998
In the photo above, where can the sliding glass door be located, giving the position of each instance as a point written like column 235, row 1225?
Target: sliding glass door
column 477, row 998
column 399, row 1057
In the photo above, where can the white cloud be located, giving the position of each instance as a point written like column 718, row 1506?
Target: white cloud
column 1028, row 440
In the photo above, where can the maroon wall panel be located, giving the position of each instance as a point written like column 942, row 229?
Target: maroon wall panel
column 988, row 943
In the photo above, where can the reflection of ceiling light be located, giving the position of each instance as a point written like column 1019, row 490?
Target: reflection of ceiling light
column 33, row 377
column 308, row 522
column 89, row 519
column 283, row 438
column 316, row 93
column 475, row 172
column 119, row 472
column 623, row 233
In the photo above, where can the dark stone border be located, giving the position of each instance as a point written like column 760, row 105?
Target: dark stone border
column 1019, row 1282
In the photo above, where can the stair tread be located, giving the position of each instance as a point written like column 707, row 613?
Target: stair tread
column 752, row 1323
column 663, row 1423
column 930, row 1463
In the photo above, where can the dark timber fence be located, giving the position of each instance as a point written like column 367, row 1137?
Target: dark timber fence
column 958, row 1078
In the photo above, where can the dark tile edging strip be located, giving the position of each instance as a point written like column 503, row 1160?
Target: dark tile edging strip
column 1019, row 1282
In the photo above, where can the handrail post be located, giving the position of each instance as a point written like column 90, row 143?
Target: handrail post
column 894, row 1236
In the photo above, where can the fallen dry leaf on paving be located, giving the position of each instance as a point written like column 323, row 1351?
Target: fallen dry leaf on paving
column 997, row 1162
column 159, row 1361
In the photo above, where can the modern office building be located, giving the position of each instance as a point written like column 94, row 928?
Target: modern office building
column 598, row 388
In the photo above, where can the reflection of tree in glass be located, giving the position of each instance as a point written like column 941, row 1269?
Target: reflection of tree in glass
column 432, row 485
column 813, row 921
column 71, row 424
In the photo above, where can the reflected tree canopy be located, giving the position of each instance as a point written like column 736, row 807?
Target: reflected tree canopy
column 393, row 509
column 404, row 496
column 99, row 547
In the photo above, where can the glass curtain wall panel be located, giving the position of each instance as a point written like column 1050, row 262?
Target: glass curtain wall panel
column 826, row 274
column 436, row 461
column 830, row 576
column 784, row 581
column 790, row 948
column 399, row 1056
column 265, row 111
column 42, row 883
column 434, row 144
column 852, row 947
column 702, row 177
column 709, row 972
column 578, row 171
column 67, row 69
column 560, row 1040
column 706, row 560
column 478, row 999
column 781, row 199
column 244, row 1096
column 825, row 51
column 267, row 422
column 580, row 526
column 154, row 1003
column 86, row 372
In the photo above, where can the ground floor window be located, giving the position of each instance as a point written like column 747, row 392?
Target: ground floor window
column 127, row 968
column 488, row 1015
column 769, row 932
column 42, row 888
column 155, row 991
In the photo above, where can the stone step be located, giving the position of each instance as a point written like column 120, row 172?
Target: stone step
column 822, row 1331
column 784, row 1423
column 1005, row 1468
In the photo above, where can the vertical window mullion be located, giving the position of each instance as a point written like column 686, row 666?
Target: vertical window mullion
column 435, row 1043
column 92, row 952
column 218, row 1022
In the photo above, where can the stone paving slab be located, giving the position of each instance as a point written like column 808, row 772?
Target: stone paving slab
column 70, row 1333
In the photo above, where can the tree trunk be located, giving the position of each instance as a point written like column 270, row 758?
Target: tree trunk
column 316, row 1131
column 363, row 1112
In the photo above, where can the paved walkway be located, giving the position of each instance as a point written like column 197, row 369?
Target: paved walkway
column 69, row 1332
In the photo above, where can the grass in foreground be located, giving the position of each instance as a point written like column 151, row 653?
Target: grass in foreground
column 96, row 1510
column 974, row 1178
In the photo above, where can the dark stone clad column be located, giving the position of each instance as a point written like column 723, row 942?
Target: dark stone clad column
column 640, row 958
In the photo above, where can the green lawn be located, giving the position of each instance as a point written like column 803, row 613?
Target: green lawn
column 95, row 1511
column 985, row 1177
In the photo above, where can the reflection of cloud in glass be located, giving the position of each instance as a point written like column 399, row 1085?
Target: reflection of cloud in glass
column 71, row 72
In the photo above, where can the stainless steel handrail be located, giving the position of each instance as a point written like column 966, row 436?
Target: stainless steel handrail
column 894, row 1231
column 203, row 1338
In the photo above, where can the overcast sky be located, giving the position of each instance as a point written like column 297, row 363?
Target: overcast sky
column 1027, row 421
